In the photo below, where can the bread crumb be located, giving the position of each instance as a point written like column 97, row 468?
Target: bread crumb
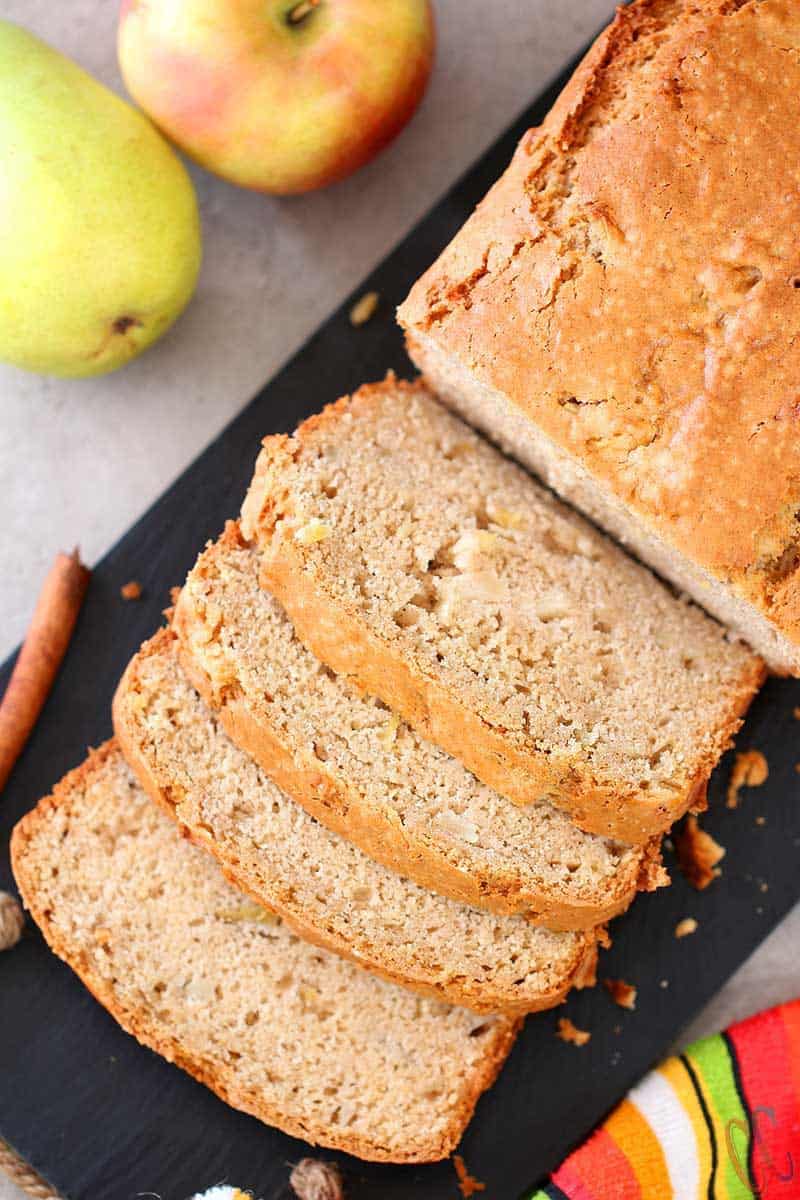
column 698, row 854
column 622, row 993
column 131, row 590
column 12, row 921
column 685, row 927
column 313, row 1179
column 761, row 820
column 570, row 1033
column 749, row 770
column 663, row 983
column 796, row 713
column 311, row 532
column 468, row 1185
column 364, row 309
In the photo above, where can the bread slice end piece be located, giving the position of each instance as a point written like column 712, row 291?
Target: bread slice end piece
column 67, row 921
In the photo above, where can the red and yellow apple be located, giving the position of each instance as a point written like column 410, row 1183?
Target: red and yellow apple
column 278, row 95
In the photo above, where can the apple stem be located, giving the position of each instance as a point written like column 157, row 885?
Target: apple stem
column 301, row 11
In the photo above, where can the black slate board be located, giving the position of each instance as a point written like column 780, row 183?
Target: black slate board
column 103, row 1118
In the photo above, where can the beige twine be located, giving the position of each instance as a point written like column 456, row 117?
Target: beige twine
column 24, row 1176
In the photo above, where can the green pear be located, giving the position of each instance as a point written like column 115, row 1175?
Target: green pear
column 99, row 229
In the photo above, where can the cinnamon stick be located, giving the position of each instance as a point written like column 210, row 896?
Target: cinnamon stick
column 40, row 657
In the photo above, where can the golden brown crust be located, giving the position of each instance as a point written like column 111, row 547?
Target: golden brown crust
column 340, row 638
column 632, row 284
column 333, row 801
column 462, row 991
column 221, row 1077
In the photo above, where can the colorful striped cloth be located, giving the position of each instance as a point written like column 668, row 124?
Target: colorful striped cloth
column 719, row 1122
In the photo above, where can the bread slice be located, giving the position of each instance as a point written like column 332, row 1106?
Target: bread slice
column 362, row 772
column 622, row 311
column 416, row 559
column 326, row 889
column 297, row 1037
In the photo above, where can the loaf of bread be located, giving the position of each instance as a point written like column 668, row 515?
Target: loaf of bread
column 415, row 559
column 373, row 778
column 326, row 889
column 297, row 1037
column 622, row 312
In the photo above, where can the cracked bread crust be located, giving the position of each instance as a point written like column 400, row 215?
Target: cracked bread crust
column 458, row 1058
column 507, row 861
column 324, row 888
column 622, row 311
column 336, row 591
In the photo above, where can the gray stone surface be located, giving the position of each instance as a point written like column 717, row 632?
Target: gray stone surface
column 79, row 461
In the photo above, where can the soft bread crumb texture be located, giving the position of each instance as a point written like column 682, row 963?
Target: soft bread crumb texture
column 622, row 310
column 374, row 778
column 329, row 890
column 299, row 1038
column 468, row 1185
column 568, row 1032
column 698, row 854
column 567, row 652
column 622, row 993
column 750, row 769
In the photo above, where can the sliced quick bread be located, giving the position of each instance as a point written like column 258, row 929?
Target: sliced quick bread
column 297, row 1037
column 328, row 890
column 416, row 559
column 374, row 779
